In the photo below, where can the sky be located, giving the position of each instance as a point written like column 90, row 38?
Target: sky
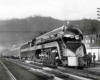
column 58, row 9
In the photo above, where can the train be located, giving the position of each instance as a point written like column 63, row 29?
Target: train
column 13, row 53
column 62, row 46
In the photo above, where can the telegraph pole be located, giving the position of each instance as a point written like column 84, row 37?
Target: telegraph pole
column 98, row 13
column 98, row 18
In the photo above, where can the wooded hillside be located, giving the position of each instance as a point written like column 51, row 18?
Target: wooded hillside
column 16, row 31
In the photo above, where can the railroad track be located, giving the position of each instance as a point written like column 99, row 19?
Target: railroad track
column 95, row 75
column 37, row 70
column 79, row 72
column 50, row 71
column 8, row 71
column 83, row 73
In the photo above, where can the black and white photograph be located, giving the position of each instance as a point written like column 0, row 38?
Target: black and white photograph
column 49, row 39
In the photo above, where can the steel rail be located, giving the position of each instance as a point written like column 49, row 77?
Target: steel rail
column 72, row 76
column 83, row 73
column 37, row 71
column 8, row 71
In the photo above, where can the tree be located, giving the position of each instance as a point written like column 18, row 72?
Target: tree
column 94, row 29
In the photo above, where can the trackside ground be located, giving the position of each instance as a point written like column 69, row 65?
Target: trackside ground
column 19, row 72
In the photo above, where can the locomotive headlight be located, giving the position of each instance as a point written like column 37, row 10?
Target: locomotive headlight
column 69, row 35
column 77, row 37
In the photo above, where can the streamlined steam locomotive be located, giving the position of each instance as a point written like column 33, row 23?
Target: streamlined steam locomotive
column 62, row 46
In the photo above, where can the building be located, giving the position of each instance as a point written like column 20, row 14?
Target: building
column 92, row 45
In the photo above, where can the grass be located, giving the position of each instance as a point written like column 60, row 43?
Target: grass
column 21, row 73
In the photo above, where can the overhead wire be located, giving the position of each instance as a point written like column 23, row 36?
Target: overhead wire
column 64, row 8
column 3, row 31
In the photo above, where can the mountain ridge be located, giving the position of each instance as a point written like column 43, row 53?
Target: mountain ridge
column 17, row 31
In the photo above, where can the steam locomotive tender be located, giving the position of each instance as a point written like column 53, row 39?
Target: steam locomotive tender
column 62, row 46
